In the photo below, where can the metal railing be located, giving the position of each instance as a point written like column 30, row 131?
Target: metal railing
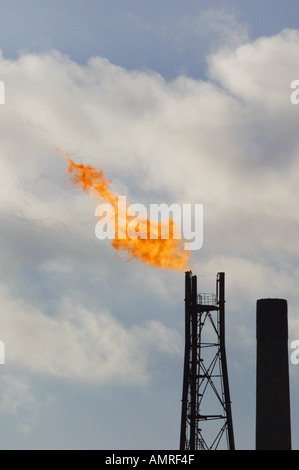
column 207, row 299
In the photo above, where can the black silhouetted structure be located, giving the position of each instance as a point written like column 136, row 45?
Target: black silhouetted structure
column 273, row 422
column 206, row 406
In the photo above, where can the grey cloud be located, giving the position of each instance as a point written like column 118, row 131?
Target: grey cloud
column 229, row 142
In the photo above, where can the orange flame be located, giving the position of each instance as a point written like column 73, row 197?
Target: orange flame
column 166, row 253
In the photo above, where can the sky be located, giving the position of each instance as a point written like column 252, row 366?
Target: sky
column 182, row 102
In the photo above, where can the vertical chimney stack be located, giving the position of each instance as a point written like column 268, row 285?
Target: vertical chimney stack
column 273, row 422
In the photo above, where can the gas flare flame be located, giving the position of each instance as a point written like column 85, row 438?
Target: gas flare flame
column 152, row 249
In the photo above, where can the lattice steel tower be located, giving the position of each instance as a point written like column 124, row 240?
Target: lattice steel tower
column 206, row 407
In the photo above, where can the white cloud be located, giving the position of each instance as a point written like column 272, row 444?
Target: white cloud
column 230, row 142
column 76, row 344
column 260, row 71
